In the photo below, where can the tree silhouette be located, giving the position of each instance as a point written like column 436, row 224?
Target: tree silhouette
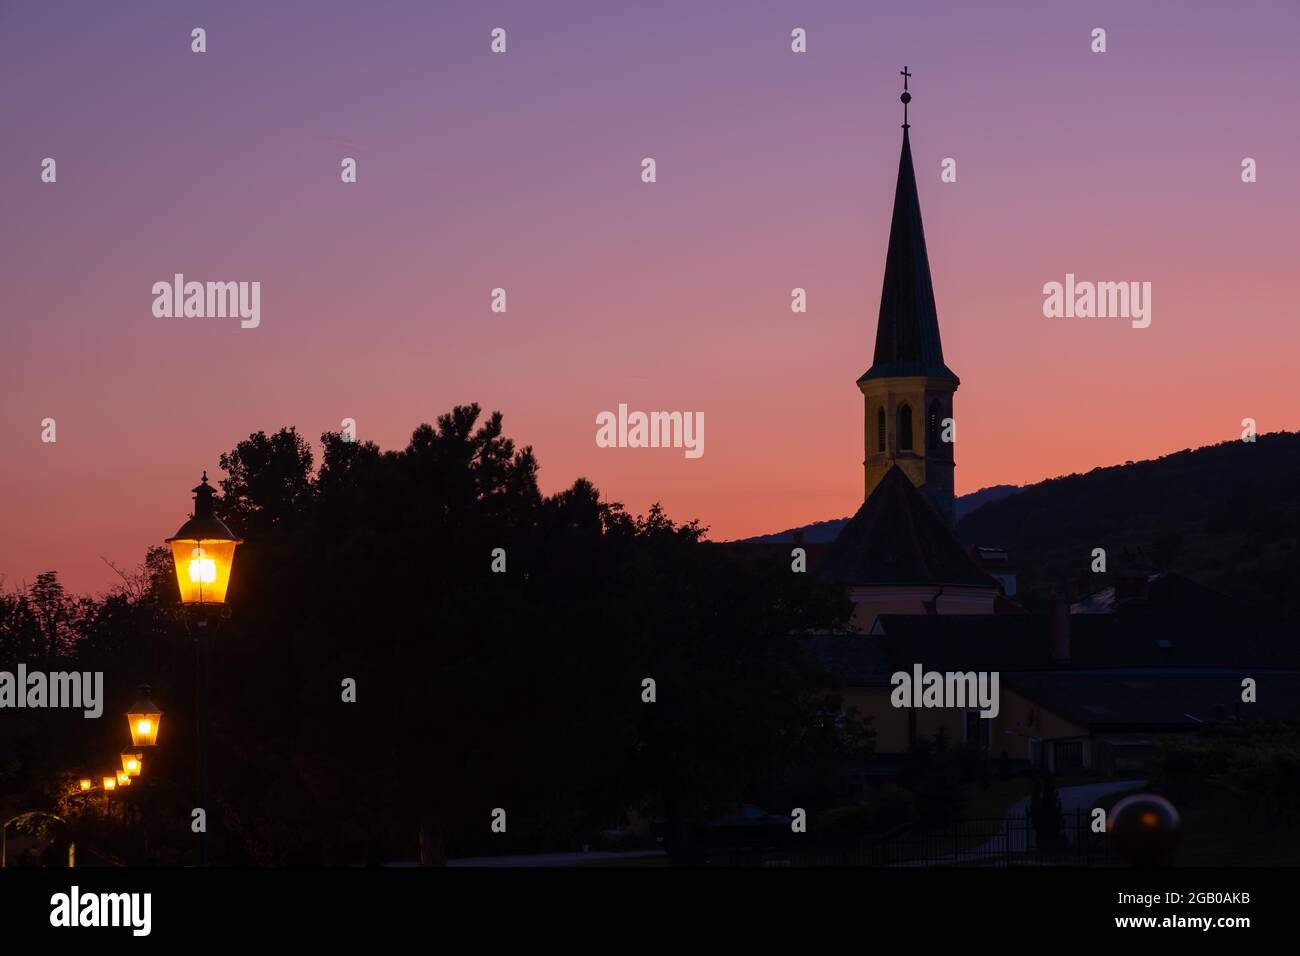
column 476, row 689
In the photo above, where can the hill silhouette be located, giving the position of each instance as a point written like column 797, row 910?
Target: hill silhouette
column 1224, row 515
column 824, row 532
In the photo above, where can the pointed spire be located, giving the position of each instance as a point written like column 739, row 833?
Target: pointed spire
column 907, row 334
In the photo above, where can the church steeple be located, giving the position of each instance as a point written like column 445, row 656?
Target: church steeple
column 908, row 389
column 907, row 332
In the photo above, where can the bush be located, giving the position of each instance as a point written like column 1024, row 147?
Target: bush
column 1256, row 766
column 846, row 827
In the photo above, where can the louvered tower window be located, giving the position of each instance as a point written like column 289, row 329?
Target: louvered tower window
column 905, row 428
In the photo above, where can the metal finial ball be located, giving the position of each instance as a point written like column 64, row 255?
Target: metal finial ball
column 906, row 98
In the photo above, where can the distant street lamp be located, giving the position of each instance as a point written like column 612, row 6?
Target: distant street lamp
column 123, row 780
column 203, row 551
column 110, row 783
column 143, row 718
column 86, row 783
column 132, row 761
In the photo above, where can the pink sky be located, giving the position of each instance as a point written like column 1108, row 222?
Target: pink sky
column 521, row 170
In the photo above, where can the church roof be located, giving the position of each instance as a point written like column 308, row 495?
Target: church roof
column 907, row 334
column 898, row 538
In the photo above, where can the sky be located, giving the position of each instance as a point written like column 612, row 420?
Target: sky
column 522, row 171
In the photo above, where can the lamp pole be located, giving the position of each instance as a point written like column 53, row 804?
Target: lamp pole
column 198, row 623
column 203, row 551
column 201, row 670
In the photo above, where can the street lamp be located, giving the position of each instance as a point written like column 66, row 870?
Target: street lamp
column 110, row 783
column 203, row 551
column 132, row 760
column 86, row 783
column 143, row 718
column 123, row 779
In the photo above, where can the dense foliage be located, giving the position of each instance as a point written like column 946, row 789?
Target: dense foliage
column 476, row 690
column 1227, row 516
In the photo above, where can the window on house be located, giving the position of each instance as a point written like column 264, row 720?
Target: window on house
column 905, row 428
column 932, row 429
column 880, row 429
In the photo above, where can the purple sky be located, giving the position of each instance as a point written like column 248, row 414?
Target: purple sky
column 776, row 170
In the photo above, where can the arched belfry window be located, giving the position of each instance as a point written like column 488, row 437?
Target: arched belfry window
column 932, row 429
column 880, row 428
column 904, row 427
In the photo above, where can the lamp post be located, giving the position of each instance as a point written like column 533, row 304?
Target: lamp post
column 203, row 551
column 133, row 765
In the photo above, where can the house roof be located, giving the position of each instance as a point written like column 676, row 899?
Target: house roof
column 1212, row 638
column 856, row 659
column 1113, row 697
column 907, row 332
column 1156, row 698
column 897, row 538
column 1132, row 638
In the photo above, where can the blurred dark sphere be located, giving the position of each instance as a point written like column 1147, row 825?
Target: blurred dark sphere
column 1145, row 829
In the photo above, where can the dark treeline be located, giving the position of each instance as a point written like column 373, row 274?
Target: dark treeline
column 1227, row 515
column 475, row 690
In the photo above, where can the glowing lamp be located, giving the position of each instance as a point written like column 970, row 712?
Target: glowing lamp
column 85, row 783
column 143, row 719
column 203, row 551
column 110, row 783
column 122, row 779
column 132, row 761
column 1145, row 828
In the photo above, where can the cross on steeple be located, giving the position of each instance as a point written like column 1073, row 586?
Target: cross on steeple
column 906, row 97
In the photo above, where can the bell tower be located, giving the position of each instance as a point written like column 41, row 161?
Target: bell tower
column 908, row 391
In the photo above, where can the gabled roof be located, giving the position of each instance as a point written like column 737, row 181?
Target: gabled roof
column 1158, row 699
column 859, row 660
column 897, row 538
column 907, row 333
column 1149, row 639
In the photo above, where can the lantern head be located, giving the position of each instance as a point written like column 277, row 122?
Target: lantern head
column 86, row 783
column 203, row 551
column 143, row 718
column 110, row 783
column 122, row 779
column 132, row 761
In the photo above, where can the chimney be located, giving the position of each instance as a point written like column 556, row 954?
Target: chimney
column 1060, row 625
column 1132, row 577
